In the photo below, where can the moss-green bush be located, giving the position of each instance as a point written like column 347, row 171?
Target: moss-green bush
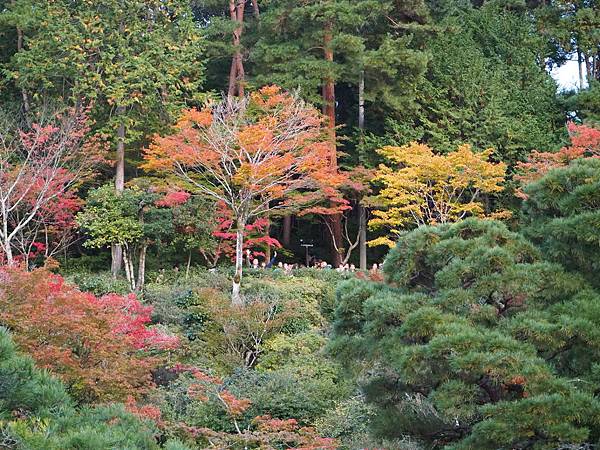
column 98, row 283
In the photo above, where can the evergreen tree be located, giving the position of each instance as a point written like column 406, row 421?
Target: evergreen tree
column 485, row 85
column 473, row 342
column 561, row 215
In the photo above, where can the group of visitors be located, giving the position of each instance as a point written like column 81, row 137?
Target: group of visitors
column 315, row 263
column 342, row 268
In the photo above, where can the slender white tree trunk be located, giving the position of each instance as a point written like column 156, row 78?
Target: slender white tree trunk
column 362, row 237
column 189, row 263
column 236, row 297
column 129, row 272
column 141, row 281
column 362, row 212
column 116, row 250
column 8, row 252
column 580, row 65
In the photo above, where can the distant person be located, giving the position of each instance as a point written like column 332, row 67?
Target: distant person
column 287, row 268
column 270, row 263
column 374, row 269
column 352, row 268
column 255, row 263
column 248, row 257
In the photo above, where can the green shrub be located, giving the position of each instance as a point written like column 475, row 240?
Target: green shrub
column 349, row 422
column 286, row 394
column 98, row 283
column 291, row 351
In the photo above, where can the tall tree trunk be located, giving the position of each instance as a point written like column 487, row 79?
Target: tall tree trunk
column 588, row 67
column 329, row 112
column 286, row 233
column 362, row 212
column 8, row 254
column 129, row 274
column 236, row 297
column 362, row 237
column 116, row 250
column 24, row 95
column 236, row 72
column 580, row 66
column 361, row 106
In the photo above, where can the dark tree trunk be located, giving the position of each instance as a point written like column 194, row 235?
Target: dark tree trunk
column 236, row 73
column 24, row 95
column 329, row 112
column 286, row 233
column 362, row 237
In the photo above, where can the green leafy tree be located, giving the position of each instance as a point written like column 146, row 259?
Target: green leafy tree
column 137, row 62
column 194, row 223
column 473, row 342
column 133, row 219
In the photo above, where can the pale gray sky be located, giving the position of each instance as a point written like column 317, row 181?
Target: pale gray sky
column 567, row 76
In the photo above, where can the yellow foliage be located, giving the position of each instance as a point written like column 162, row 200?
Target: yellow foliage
column 421, row 187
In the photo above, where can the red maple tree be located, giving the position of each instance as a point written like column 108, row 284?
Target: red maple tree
column 40, row 166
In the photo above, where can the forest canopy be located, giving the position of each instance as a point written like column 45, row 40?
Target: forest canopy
column 326, row 224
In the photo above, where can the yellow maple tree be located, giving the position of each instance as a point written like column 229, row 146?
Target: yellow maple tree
column 421, row 187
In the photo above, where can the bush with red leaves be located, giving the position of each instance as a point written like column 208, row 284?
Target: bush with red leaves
column 100, row 347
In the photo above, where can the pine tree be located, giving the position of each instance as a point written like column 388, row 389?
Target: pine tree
column 485, row 85
column 561, row 215
column 473, row 342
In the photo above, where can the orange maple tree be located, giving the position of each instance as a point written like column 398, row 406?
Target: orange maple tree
column 262, row 153
column 585, row 143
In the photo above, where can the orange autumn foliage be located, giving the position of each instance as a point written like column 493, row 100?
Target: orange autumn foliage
column 98, row 346
column 263, row 153
column 253, row 154
column 585, row 143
